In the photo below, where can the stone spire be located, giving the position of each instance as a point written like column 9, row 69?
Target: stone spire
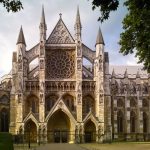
column 21, row 38
column 113, row 73
column 99, row 39
column 43, row 26
column 43, row 16
column 126, row 74
column 138, row 74
column 78, row 21
column 78, row 26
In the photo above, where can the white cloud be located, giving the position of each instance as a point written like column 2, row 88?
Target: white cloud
column 29, row 18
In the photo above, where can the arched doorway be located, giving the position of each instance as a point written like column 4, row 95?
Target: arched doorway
column 90, row 132
column 30, row 131
column 4, row 120
column 58, row 127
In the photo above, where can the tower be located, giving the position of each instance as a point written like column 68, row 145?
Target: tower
column 99, row 79
column 19, row 74
column 43, row 28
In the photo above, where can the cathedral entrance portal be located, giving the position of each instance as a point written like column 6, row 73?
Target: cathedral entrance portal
column 30, row 131
column 58, row 128
column 90, row 132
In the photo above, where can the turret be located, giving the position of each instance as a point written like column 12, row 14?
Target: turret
column 138, row 81
column 21, row 48
column 43, row 26
column 113, row 77
column 99, row 43
column 78, row 27
column 126, row 77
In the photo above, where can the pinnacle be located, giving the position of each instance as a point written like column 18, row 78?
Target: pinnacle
column 21, row 38
column 126, row 74
column 43, row 16
column 138, row 74
column 99, row 39
column 113, row 73
column 78, row 21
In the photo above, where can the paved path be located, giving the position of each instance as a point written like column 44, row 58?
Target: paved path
column 60, row 147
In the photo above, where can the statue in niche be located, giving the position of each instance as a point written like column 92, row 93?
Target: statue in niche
column 101, row 98
column 42, row 48
column 79, row 64
column 100, row 59
column 19, row 62
column 79, row 98
column 41, row 64
column 41, row 86
column 41, row 97
column 79, row 87
column 78, row 50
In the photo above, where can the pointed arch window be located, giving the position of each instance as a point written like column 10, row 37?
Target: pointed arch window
column 69, row 101
column 50, row 101
column 120, row 121
column 132, row 122
column 33, row 106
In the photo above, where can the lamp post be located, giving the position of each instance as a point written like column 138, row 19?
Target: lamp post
column 29, row 127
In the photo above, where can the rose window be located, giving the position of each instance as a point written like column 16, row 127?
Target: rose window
column 60, row 64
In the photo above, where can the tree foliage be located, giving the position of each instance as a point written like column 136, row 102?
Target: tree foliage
column 12, row 5
column 136, row 24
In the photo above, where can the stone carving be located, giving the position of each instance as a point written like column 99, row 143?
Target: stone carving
column 79, row 87
column 60, row 34
column 19, row 62
column 60, row 64
column 79, row 64
column 79, row 51
column 42, row 48
column 41, row 64
column 79, row 98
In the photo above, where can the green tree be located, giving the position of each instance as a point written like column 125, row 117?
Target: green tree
column 12, row 5
column 136, row 24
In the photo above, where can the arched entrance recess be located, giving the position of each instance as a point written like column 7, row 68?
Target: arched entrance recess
column 4, row 120
column 90, row 132
column 30, row 131
column 58, row 127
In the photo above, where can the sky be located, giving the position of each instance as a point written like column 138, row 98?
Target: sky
column 29, row 18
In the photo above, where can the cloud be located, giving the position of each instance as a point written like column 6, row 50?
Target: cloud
column 29, row 18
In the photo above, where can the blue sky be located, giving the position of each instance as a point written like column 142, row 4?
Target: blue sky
column 29, row 18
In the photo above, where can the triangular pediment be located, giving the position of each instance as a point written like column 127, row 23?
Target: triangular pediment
column 60, row 34
column 60, row 105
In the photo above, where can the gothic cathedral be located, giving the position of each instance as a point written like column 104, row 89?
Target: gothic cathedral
column 62, row 100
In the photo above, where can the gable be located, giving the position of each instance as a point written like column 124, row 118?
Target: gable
column 60, row 34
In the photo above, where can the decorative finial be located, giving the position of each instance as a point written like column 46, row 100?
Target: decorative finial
column 60, row 15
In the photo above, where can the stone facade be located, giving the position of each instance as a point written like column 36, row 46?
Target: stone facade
column 62, row 100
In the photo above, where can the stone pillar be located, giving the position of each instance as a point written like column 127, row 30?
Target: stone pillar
column 128, row 137
column 115, row 119
column 107, row 103
column 140, row 120
column 79, row 80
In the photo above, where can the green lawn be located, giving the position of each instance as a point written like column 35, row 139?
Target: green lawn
column 118, row 146
column 6, row 141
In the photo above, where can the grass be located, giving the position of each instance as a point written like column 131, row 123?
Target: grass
column 6, row 142
column 118, row 146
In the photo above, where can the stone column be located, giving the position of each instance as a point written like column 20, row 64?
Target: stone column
column 127, row 102
column 79, row 80
column 115, row 119
column 140, row 120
